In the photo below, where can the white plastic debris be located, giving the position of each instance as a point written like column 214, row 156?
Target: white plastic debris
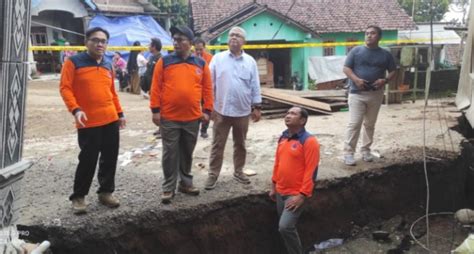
column 249, row 172
column 331, row 243
column 467, row 247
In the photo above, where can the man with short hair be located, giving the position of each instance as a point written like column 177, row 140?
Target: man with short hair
column 87, row 88
column 366, row 67
column 180, row 82
column 200, row 51
column 155, row 50
column 237, row 97
column 294, row 175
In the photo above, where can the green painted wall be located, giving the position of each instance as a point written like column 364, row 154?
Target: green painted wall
column 264, row 26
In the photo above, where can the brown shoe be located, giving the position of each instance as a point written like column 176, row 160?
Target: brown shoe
column 166, row 197
column 190, row 190
column 79, row 206
column 241, row 178
column 108, row 200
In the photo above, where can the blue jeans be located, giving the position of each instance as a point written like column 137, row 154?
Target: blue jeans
column 287, row 225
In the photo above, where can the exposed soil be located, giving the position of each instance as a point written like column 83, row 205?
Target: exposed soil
column 233, row 218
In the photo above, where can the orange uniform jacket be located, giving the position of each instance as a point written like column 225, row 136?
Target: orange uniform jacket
column 89, row 86
column 296, row 164
column 206, row 56
column 178, row 87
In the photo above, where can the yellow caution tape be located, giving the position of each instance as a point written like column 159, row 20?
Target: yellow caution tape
column 248, row 46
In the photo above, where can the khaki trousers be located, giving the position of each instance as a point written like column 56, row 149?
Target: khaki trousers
column 221, row 129
column 363, row 109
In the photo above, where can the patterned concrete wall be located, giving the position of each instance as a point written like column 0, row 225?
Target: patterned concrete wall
column 14, row 27
column 14, row 32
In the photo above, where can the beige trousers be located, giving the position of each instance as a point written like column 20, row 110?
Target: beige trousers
column 363, row 109
column 221, row 129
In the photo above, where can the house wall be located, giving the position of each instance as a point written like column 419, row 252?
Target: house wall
column 262, row 28
column 343, row 37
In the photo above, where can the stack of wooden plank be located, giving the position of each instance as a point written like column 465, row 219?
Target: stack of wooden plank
column 277, row 101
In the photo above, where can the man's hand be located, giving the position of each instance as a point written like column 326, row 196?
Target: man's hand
column 156, row 118
column 205, row 118
column 295, row 202
column 122, row 122
column 256, row 114
column 360, row 83
column 379, row 83
column 79, row 116
column 272, row 194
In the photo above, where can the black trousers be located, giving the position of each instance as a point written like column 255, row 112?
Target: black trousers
column 103, row 140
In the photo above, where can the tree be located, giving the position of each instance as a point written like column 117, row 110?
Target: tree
column 177, row 7
column 422, row 9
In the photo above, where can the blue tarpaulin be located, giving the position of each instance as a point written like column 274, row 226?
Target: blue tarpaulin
column 124, row 31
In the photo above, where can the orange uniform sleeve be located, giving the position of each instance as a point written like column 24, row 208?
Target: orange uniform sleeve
column 311, row 158
column 115, row 98
column 207, row 95
column 156, row 86
column 275, row 166
column 65, row 86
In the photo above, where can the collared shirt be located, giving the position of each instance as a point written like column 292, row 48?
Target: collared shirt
column 236, row 84
column 178, row 87
column 89, row 86
column 296, row 163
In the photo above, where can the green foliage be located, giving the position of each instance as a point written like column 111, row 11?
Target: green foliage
column 177, row 7
column 422, row 9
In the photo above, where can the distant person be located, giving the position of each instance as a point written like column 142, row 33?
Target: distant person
column 142, row 63
column 155, row 50
column 180, row 82
column 294, row 175
column 200, row 51
column 237, row 98
column 88, row 91
column 132, row 70
column 66, row 54
column 366, row 67
column 120, row 66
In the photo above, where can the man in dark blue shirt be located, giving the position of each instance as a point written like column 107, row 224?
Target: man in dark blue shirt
column 366, row 67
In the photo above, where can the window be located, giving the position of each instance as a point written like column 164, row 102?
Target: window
column 350, row 46
column 329, row 50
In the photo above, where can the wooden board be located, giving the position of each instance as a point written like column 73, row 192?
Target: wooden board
column 281, row 96
column 314, row 93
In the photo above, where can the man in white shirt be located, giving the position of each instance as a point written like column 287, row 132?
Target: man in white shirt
column 236, row 97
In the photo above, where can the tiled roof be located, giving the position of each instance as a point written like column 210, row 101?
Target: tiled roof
column 319, row 16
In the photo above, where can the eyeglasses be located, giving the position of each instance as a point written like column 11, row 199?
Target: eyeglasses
column 97, row 41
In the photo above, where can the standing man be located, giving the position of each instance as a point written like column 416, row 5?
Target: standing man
column 180, row 82
column 155, row 50
column 200, row 51
column 87, row 88
column 237, row 96
column 366, row 68
column 294, row 174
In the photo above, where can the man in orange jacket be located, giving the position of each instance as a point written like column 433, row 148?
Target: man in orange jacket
column 180, row 82
column 87, row 88
column 294, row 173
column 200, row 50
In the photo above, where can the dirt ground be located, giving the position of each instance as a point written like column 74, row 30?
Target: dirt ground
column 50, row 141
